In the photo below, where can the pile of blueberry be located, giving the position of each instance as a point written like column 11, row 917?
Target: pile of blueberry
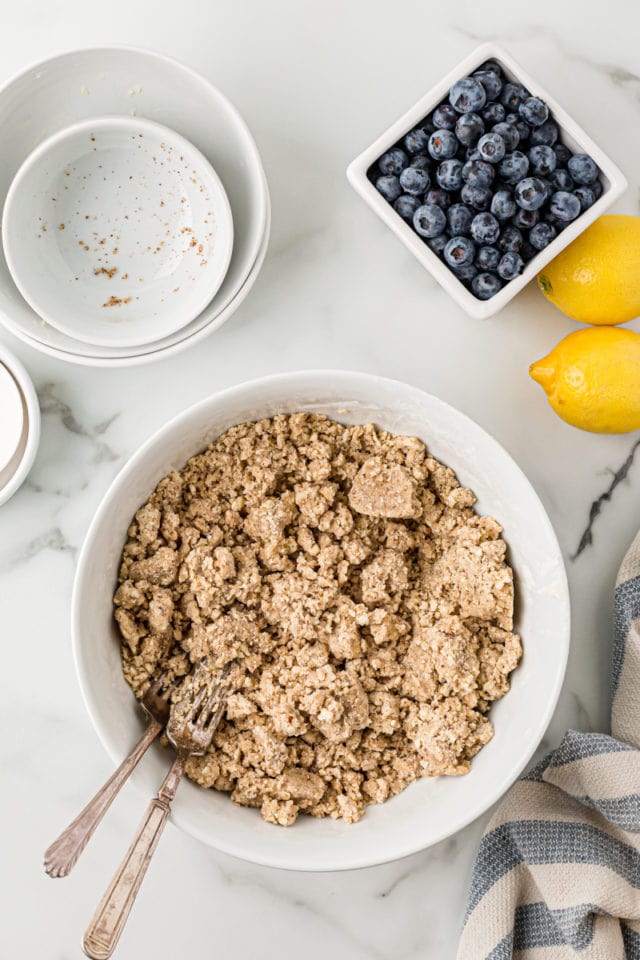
column 485, row 180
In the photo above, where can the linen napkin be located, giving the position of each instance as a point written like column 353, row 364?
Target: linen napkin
column 557, row 875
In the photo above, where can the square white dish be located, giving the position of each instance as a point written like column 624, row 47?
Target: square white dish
column 572, row 135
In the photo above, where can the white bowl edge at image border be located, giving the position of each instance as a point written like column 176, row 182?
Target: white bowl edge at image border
column 563, row 628
column 357, row 176
column 32, row 422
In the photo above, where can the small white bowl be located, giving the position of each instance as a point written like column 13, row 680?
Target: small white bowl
column 117, row 231
column 429, row 810
column 572, row 135
column 14, row 472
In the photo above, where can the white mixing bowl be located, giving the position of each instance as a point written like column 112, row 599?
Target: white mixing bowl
column 430, row 810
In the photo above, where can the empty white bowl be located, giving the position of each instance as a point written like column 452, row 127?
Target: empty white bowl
column 19, row 424
column 428, row 810
column 117, row 231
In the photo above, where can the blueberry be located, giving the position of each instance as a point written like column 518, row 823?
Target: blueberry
column 459, row 251
column 442, row 144
column 514, row 167
column 491, row 82
column 512, row 95
column 421, row 163
column 510, row 240
column 503, row 205
column 467, row 95
column 469, row 129
column 449, row 174
column 460, row 217
column 478, row 173
column 582, row 168
column 439, row 196
column 416, row 141
column 565, row 206
column 510, row 265
column 485, row 285
column 491, row 147
column 560, row 179
column 429, row 220
column 534, row 111
column 437, row 244
column 558, row 224
column 415, row 181
column 562, row 153
column 493, row 66
column 485, row 228
column 597, row 188
column 393, row 161
column 541, row 235
column 493, row 113
column 527, row 252
column 546, row 134
column 477, row 197
column 466, row 272
column 444, row 117
column 530, row 193
column 524, row 130
column 509, row 134
column 389, row 187
column 487, row 258
column 525, row 219
column 542, row 160
column 406, row 206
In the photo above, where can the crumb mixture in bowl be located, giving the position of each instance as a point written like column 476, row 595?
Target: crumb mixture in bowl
column 368, row 606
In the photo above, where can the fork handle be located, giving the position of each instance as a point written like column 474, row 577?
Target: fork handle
column 62, row 855
column 108, row 921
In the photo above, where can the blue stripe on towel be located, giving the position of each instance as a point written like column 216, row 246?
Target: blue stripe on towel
column 626, row 609
column 535, row 925
column 502, row 950
column 623, row 811
column 579, row 746
column 631, row 941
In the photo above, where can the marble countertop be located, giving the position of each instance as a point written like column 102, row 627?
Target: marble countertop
column 316, row 83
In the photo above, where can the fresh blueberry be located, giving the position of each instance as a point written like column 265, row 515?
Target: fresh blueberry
column 439, row 196
column 406, row 206
column 466, row 272
column 478, row 173
column 565, row 206
column 503, row 205
column 514, row 167
column 510, row 265
column 485, row 228
column 534, row 111
column 525, row 219
column 442, row 144
column 485, row 285
column 558, row 224
column 437, row 244
column 393, row 161
column 546, row 134
column 493, row 113
column 444, row 117
column 509, row 134
column 429, row 220
column 524, row 130
column 491, row 147
column 421, row 163
column 472, row 154
column 477, row 197
column 510, row 240
column 389, row 187
column 459, row 251
column 469, row 129
column 491, row 82
column 487, row 258
column 542, row 160
column 541, row 235
column 560, row 179
column 527, row 252
column 512, row 95
column 467, row 95
column 449, row 174
column 493, row 66
column 415, row 181
column 459, row 217
column 582, row 168
column 416, row 141
column 597, row 188
column 562, row 153
column 530, row 193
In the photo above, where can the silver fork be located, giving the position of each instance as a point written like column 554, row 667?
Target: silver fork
column 62, row 855
column 192, row 724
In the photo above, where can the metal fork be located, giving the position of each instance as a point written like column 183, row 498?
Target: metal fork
column 190, row 729
column 62, row 855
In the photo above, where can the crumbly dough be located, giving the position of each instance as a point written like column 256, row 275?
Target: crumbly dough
column 369, row 607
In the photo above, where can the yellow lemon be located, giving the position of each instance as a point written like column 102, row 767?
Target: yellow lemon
column 597, row 278
column 592, row 379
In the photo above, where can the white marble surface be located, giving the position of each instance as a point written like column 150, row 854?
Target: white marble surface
column 316, row 82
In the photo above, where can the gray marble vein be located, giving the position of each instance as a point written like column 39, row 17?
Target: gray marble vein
column 619, row 475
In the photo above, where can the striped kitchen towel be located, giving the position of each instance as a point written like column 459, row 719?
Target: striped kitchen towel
column 557, row 875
